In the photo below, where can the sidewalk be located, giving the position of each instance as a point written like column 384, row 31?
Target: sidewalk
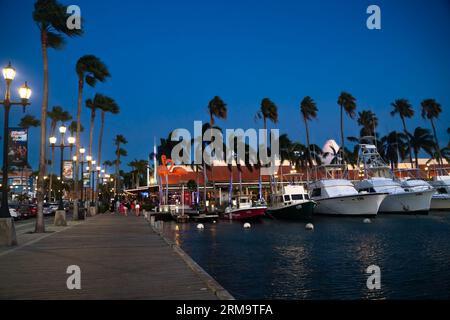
column 119, row 257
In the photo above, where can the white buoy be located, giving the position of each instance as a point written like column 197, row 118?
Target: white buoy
column 309, row 226
column 247, row 225
column 200, row 226
column 367, row 220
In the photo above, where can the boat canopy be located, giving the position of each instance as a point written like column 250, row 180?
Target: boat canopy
column 379, row 185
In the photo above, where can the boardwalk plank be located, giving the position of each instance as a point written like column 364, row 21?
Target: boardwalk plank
column 119, row 257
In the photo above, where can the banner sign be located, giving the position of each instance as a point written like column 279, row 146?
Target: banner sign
column 86, row 179
column 67, row 170
column 18, row 147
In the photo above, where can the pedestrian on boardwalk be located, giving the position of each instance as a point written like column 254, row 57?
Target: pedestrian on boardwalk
column 136, row 208
column 118, row 206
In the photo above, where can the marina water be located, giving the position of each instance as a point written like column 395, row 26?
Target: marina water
column 282, row 260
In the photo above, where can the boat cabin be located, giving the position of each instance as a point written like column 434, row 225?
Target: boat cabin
column 291, row 195
column 332, row 188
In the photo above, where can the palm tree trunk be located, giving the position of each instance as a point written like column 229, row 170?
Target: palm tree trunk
column 438, row 149
column 409, row 141
column 197, row 182
column 116, row 181
column 100, row 141
column 204, row 185
column 91, row 131
column 416, row 156
column 51, row 175
column 40, row 227
column 77, row 151
column 308, row 151
column 342, row 134
column 259, row 168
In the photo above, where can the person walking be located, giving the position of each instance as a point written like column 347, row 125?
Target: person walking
column 137, row 208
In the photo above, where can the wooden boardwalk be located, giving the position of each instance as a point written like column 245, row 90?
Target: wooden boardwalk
column 119, row 258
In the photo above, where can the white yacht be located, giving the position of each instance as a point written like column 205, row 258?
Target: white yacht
column 339, row 197
column 441, row 199
column 412, row 198
column 415, row 198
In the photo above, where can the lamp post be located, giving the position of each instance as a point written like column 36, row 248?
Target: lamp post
column 96, row 176
column 9, row 74
column 52, row 141
column 93, row 162
column 88, row 169
column 62, row 146
column 7, row 230
column 82, row 152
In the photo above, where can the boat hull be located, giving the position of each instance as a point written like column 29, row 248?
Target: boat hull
column 355, row 205
column 440, row 202
column 246, row 214
column 299, row 211
column 409, row 202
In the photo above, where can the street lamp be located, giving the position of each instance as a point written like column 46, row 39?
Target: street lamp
column 9, row 74
column 62, row 131
column 82, row 152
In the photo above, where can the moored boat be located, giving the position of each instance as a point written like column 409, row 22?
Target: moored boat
column 292, row 203
column 399, row 199
column 441, row 199
column 245, row 210
column 412, row 199
column 339, row 197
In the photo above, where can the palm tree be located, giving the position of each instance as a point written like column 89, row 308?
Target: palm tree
column 57, row 114
column 118, row 141
column 404, row 109
column 268, row 111
column 348, row 104
column 107, row 164
column 421, row 139
column 93, row 105
column 393, row 147
column 106, row 105
column 431, row 110
column 139, row 168
column 50, row 17
column 308, row 110
column 369, row 122
column 27, row 122
column 73, row 129
column 91, row 69
column 217, row 108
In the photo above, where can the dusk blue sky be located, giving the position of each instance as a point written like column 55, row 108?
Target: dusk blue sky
column 169, row 58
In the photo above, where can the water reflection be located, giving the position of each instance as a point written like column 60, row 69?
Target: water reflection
column 279, row 260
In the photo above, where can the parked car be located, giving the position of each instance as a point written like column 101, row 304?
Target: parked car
column 28, row 211
column 47, row 210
